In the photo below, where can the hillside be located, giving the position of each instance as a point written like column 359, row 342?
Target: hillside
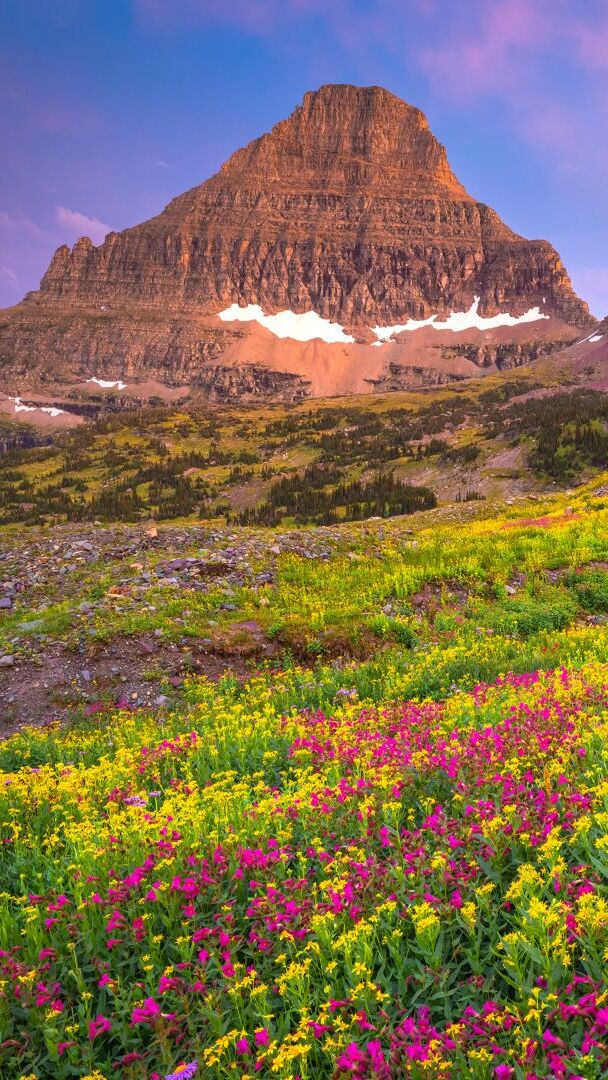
column 346, row 218
column 398, row 782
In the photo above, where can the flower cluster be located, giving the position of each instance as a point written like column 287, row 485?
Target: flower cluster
column 409, row 888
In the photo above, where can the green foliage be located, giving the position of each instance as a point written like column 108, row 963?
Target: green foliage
column 310, row 499
column 591, row 589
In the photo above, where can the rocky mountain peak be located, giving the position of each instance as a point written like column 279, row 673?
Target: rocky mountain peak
column 344, row 136
column 348, row 208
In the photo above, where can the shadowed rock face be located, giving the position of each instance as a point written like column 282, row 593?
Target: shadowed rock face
column 349, row 208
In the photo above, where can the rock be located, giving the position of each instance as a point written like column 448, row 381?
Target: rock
column 348, row 208
column 6, row 602
column 7, row 661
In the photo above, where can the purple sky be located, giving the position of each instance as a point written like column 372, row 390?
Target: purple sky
column 108, row 108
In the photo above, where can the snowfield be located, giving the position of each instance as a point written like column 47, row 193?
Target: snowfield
column 287, row 324
column 107, row 384
column 310, row 326
column 461, row 320
column 19, row 406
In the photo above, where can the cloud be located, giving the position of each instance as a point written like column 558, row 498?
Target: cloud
column 544, row 63
column 79, row 223
column 484, row 52
column 8, row 274
column 15, row 221
column 160, row 164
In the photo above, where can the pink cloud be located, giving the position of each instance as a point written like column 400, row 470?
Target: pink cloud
column 483, row 53
column 591, row 42
column 75, row 222
column 15, row 222
column 470, row 51
column 512, row 51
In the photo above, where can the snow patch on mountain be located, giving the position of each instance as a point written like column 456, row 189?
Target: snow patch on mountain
column 106, row 384
column 288, row 324
column 458, row 321
column 19, row 406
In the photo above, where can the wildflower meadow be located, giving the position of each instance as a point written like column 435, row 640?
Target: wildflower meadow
column 393, row 867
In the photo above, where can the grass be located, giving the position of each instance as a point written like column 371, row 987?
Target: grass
column 382, row 854
column 384, row 434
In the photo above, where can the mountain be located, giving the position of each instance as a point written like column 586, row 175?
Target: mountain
column 348, row 209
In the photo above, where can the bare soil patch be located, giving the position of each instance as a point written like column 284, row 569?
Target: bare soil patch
column 131, row 672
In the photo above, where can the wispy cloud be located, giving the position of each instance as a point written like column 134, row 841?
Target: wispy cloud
column 510, row 52
column 8, row 274
column 76, row 222
column 14, row 221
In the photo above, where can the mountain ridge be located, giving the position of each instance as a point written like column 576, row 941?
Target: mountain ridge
column 348, row 208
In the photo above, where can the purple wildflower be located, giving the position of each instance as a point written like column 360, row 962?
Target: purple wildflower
column 183, row 1071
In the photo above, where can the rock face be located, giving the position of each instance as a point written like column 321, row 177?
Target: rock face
column 349, row 208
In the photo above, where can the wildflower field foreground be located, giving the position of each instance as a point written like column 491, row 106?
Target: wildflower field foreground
column 387, row 867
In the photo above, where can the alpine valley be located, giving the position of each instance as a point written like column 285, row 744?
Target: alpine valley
column 337, row 254
column 332, row 312
column 304, row 632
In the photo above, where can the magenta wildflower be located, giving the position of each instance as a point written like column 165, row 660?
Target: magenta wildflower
column 351, row 1058
column 147, row 1013
column 98, row 1026
column 549, row 1039
column 318, row 1029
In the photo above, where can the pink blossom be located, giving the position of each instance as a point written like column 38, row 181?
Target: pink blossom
column 318, row 1029
column 351, row 1057
column 147, row 1013
column 98, row 1026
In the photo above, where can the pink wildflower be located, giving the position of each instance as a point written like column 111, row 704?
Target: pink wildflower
column 147, row 1013
column 98, row 1026
column 351, row 1058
